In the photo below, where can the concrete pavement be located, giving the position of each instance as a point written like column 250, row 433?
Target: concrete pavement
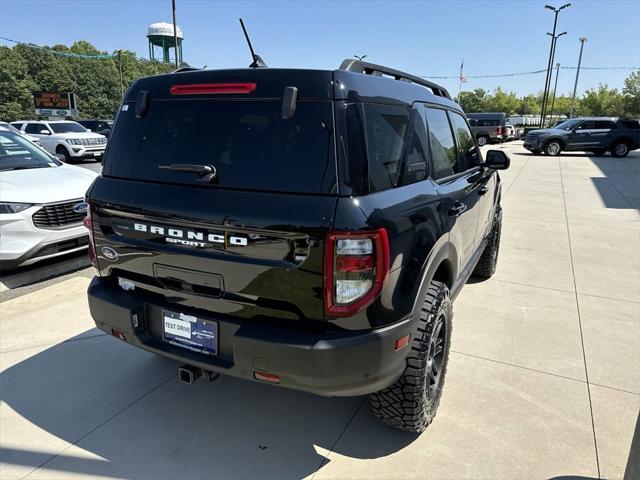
column 543, row 381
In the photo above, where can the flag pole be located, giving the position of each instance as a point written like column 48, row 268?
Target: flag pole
column 460, row 80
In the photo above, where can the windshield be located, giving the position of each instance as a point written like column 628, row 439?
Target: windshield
column 9, row 127
column 18, row 153
column 248, row 143
column 67, row 127
column 568, row 124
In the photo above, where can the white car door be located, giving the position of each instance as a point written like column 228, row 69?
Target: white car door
column 36, row 129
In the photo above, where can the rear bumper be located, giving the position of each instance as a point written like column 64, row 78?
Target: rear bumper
column 324, row 363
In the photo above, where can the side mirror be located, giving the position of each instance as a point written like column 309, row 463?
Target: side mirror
column 45, row 132
column 496, row 160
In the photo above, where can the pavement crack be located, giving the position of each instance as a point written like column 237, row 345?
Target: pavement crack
column 575, row 287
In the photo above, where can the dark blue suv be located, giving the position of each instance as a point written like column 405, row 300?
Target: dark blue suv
column 593, row 134
column 304, row 228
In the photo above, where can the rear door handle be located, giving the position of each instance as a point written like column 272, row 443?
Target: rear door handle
column 457, row 209
column 482, row 190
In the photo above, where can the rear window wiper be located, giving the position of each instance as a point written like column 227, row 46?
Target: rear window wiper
column 205, row 173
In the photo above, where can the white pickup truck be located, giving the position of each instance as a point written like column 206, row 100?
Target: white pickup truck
column 65, row 138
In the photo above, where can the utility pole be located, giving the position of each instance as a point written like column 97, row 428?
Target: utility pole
column 555, row 87
column 554, row 43
column 120, row 68
column 175, row 32
column 575, row 85
column 547, row 80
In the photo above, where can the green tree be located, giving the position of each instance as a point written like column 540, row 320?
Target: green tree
column 501, row 101
column 631, row 92
column 602, row 101
column 16, row 100
column 473, row 101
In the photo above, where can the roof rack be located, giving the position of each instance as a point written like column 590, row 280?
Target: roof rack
column 185, row 69
column 351, row 65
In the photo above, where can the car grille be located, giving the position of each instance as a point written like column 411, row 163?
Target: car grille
column 89, row 141
column 58, row 215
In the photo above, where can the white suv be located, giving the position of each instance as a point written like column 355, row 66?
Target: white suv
column 66, row 138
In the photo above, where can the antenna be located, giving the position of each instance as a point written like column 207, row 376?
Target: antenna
column 257, row 61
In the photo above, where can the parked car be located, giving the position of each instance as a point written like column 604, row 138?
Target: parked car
column 66, row 138
column 488, row 127
column 509, row 132
column 99, row 126
column 305, row 228
column 31, row 138
column 42, row 203
column 591, row 134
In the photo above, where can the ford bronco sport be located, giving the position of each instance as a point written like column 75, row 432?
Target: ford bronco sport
column 307, row 229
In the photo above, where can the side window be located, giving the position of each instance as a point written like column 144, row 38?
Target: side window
column 604, row 124
column 443, row 148
column 18, row 125
column 467, row 150
column 415, row 161
column 33, row 128
column 386, row 128
column 586, row 125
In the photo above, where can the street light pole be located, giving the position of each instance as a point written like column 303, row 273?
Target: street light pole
column 555, row 87
column 575, row 85
column 175, row 32
column 553, row 56
column 547, row 80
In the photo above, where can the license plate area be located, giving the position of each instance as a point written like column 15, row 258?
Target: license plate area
column 190, row 332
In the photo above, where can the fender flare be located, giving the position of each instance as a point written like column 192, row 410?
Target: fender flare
column 442, row 250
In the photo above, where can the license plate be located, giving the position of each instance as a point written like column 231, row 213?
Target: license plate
column 190, row 332
column 97, row 154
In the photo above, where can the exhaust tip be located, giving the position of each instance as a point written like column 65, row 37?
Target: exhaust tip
column 189, row 374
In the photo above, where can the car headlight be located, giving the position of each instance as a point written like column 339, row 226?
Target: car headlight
column 14, row 207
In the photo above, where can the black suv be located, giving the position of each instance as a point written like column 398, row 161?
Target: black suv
column 592, row 134
column 304, row 228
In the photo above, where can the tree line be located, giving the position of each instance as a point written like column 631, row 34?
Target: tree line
column 600, row 101
column 96, row 82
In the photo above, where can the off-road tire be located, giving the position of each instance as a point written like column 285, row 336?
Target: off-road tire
column 553, row 148
column 412, row 401
column 483, row 140
column 486, row 266
column 620, row 149
column 60, row 150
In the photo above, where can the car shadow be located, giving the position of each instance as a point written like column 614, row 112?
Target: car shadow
column 128, row 410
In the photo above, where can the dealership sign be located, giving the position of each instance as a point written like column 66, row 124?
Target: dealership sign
column 55, row 104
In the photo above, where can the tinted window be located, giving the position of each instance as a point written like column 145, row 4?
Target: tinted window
column 467, row 151
column 18, row 125
column 67, row 127
column 386, row 128
column 585, row 125
column 357, row 149
column 248, row 143
column 415, row 161
column 473, row 122
column 443, row 150
column 34, row 128
column 488, row 123
column 602, row 124
column 633, row 124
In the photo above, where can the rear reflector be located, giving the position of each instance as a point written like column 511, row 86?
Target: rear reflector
column 266, row 377
column 401, row 342
column 212, row 88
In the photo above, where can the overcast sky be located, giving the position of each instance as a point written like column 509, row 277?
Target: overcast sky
column 422, row 37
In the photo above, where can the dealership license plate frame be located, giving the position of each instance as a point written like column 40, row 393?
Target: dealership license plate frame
column 202, row 334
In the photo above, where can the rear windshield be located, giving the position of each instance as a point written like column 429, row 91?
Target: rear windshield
column 247, row 142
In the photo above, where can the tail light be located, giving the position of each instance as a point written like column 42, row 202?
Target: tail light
column 499, row 130
column 88, row 223
column 355, row 270
column 212, row 88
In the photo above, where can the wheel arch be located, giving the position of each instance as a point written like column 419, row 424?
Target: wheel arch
column 623, row 138
column 560, row 140
column 441, row 265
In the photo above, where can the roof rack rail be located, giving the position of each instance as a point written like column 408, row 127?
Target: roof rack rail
column 351, row 65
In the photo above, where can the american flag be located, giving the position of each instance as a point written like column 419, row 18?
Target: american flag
column 463, row 79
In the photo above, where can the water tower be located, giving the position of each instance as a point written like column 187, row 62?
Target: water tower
column 161, row 35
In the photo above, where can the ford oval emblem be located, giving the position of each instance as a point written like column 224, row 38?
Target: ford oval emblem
column 109, row 253
column 80, row 207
